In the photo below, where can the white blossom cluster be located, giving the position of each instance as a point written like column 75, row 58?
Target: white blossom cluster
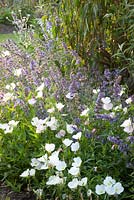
column 109, row 186
column 128, row 126
column 8, row 127
column 42, row 124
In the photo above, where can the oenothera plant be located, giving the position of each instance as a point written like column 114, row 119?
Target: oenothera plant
column 68, row 156
column 56, row 141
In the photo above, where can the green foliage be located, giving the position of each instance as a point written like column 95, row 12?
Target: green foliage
column 27, row 140
column 26, row 7
column 39, row 74
column 4, row 14
column 4, row 37
column 125, row 36
column 95, row 29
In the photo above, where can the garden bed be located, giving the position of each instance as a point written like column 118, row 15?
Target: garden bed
column 6, row 29
column 7, row 194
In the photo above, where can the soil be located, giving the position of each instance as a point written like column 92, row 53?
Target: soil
column 5, row 29
column 7, row 194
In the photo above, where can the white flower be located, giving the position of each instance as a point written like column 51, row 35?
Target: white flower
column 25, row 173
column 129, row 100
column 43, row 162
column 60, row 134
column 118, row 188
column 5, row 53
column 39, row 94
column 112, row 114
column 32, row 101
column 39, row 124
column 77, row 136
column 100, row 189
column 40, row 88
column 3, row 126
column 106, row 100
column 110, row 190
column 54, row 158
column 35, row 121
column 43, row 158
column 13, row 123
column 122, row 91
column 8, row 128
column 38, row 192
column 11, row 86
column 89, row 192
column 7, row 96
column 51, row 110
column 53, row 123
column 125, row 110
column 70, row 128
column 59, row 106
column 70, row 96
column 67, row 142
column 109, row 181
column 74, row 171
column 54, row 180
column 75, row 146
column 73, row 184
column 96, row 91
column 77, row 162
column 28, row 172
column 61, row 165
column 128, row 126
column 40, row 128
column 35, row 163
column 117, row 108
column 18, row 72
column 85, row 112
column 49, row 147
column 32, row 172
column 107, row 105
column 83, row 182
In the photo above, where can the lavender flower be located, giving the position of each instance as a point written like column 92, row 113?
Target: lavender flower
column 107, row 74
column 123, row 147
column 130, row 139
column 114, row 140
column 33, row 64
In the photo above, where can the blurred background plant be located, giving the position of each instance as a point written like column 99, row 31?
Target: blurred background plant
column 8, row 6
column 94, row 29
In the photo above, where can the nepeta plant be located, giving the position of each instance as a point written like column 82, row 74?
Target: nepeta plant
column 61, row 137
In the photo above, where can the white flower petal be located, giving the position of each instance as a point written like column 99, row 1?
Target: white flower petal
column 85, row 112
column 77, row 136
column 110, row 190
column 49, row 147
column 100, row 189
column 74, row 171
column 61, row 165
column 59, row 106
column 109, row 181
column 73, row 184
column 75, row 146
column 71, row 128
column 54, row 180
column 118, row 188
column 77, row 162
column 83, row 182
column 70, row 96
column 106, row 100
column 67, row 142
